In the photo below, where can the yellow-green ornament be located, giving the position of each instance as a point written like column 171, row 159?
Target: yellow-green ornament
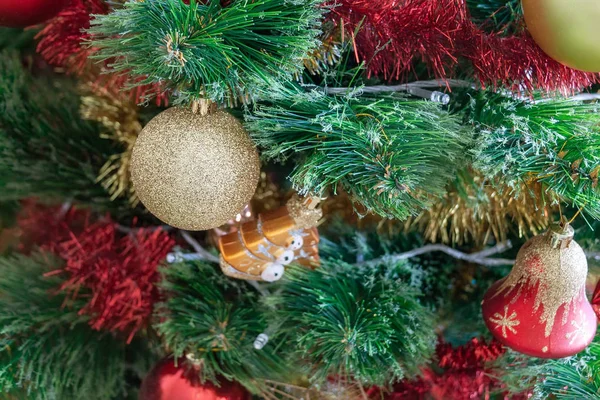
column 567, row 30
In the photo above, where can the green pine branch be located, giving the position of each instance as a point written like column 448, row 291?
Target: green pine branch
column 17, row 38
column 570, row 378
column 430, row 274
column 356, row 322
column 391, row 154
column 47, row 350
column 216, row 320
column 208, row 50
column 553, row 142
column 46, row 149
column 496, row 15
column 588, row 236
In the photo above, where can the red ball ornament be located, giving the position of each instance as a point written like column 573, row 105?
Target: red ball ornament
column 168, row 381
column 540, row 308
column 22, row 13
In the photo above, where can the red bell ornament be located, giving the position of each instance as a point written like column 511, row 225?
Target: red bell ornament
column 22, row 13
column 540, row 308
column 168, row 381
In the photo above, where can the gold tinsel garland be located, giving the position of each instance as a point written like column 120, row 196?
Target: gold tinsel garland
column 475, row 210
column 472, row 211
column 329, row 52
column 119, row 115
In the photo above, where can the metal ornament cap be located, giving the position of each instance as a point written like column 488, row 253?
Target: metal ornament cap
column 540, row 308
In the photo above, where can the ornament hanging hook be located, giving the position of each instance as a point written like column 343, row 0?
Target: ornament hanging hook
column 562, row 219
column 577, row 213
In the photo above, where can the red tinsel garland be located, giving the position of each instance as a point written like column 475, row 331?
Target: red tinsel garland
column 118, row 270
column 391, row 34
column 462, row 373
column 121, row 272
column 388, row 35
column 476, row 353
column 61, row 43
column 61, row 38
column 45, row 227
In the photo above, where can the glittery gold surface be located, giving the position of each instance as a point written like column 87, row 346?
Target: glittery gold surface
column 558, row 273
column 506, row 322
column 119, row 115
column 478, row 210
column 194, row 172
column 304, row 212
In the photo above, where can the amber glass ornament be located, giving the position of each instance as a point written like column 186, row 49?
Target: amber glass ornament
column 540, row 308
column 567, row 30
column 260, row 249
column 194, row 171
column 168, row 381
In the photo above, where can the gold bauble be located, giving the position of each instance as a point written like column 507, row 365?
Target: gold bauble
column 567, row 30
column 194, row 172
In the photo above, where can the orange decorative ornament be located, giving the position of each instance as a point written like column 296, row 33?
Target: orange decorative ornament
column 260, row 249
column 567, row 31
column 540, row 308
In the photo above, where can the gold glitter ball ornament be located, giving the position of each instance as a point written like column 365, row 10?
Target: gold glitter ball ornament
column 194, row 172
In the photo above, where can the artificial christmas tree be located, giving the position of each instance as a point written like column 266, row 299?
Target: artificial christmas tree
column 160, row 166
